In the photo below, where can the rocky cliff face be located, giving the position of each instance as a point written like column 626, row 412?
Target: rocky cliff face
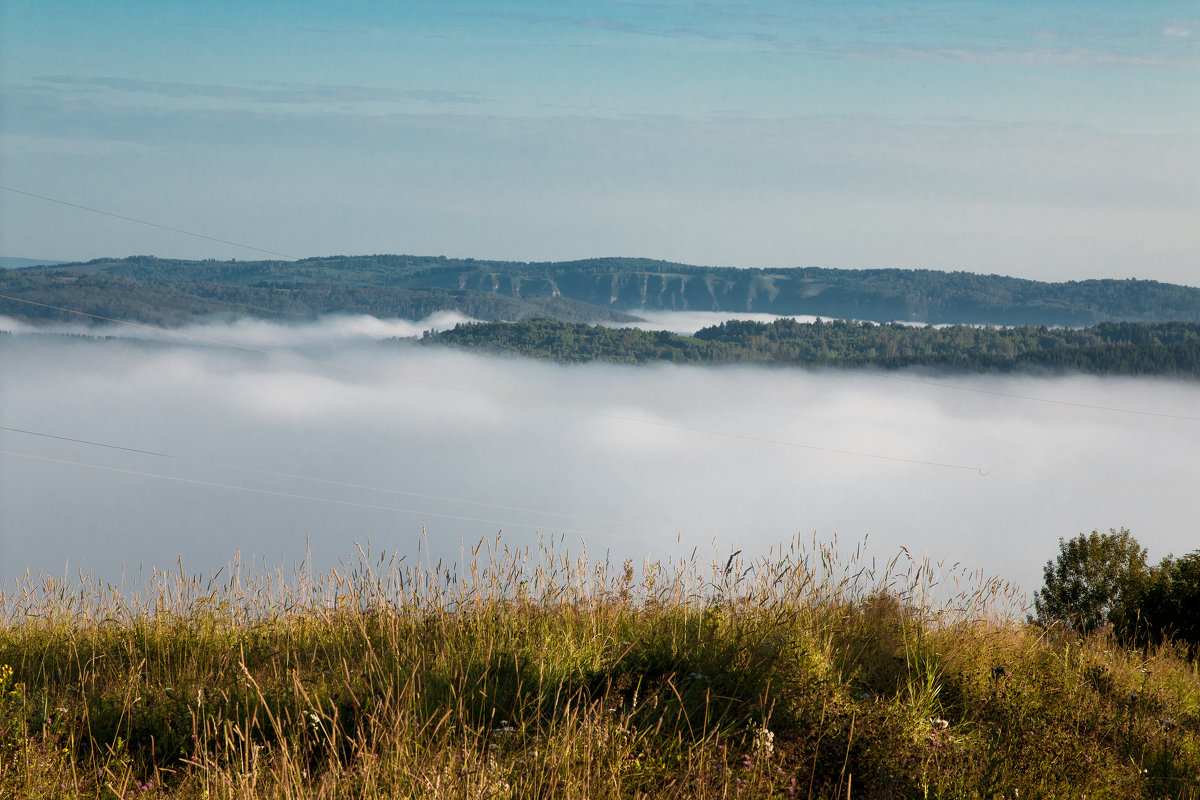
column 746, row 290
column 876, row 295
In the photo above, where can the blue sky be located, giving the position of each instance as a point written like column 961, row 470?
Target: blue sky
column 1054, row 140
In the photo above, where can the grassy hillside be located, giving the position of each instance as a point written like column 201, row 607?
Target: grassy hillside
column 536, row 674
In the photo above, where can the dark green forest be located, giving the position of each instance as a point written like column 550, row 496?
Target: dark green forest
column 169, row 303
column 168, row 291
column 1124, row 348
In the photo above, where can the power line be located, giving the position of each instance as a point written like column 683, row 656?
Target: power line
column 147, row 222
column 313, row 498
column 979, row 468
column 325, row 481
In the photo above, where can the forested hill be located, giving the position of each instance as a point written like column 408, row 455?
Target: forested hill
column 592, row 290
column 1111, row 348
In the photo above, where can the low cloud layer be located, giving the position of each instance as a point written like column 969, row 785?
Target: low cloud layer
column 416, row 444
column 332, row 330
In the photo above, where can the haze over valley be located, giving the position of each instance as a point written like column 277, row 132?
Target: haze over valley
column 409, row 444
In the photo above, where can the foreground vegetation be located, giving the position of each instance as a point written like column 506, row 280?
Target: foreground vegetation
column 1124, row 348
column 542, row 674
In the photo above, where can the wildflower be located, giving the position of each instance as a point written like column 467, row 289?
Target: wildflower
column 764, row 742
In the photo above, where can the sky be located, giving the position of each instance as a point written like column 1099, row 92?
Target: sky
column 1053, row 140
column 328, row 435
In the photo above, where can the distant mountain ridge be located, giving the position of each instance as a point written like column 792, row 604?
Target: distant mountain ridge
column 13, row 262
column 598, row 289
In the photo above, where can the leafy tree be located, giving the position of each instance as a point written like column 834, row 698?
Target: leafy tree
column 1170, row 606
column 1097, row 579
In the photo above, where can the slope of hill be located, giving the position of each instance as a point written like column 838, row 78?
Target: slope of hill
column 13, row 262
column 169, row 303
column 609, row 288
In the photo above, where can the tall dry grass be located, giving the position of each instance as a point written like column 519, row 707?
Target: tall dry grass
column 541, row 672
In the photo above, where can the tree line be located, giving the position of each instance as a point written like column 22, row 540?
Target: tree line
column 1124, row 348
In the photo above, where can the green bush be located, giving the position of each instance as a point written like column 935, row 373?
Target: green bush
column 1098, row 579
column 1101, row 579
column 1170, row 601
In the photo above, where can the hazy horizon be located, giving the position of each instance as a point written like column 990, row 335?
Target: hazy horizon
column 35, row 262
column 1055, row 141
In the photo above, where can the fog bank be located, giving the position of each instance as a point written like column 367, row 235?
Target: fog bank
column 638, row 462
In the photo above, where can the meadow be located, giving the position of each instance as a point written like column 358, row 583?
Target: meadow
column 813, row 671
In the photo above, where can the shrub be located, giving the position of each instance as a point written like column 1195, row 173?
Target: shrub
column 1097, row 579
column 1170, row 603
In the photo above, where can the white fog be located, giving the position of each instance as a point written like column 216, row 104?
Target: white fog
column 634, row 462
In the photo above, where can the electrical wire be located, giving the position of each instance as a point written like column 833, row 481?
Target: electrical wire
column 147, row 222
column 313, row 498
column 328, row 481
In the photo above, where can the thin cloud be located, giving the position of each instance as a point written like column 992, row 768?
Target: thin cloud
column 610, row 25
column 882, row 38
column 265, row 91
column 674, row 30
column 1179, row 28
column 1084, row 57
column 714, row 11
